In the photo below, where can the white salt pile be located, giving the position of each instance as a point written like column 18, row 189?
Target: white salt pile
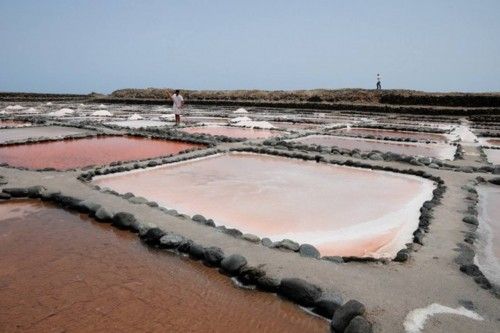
column 241, row 110
column 31, row 110
column 48, row 103
column 168, row 117
column 102, row 106
column 249, row 123
column 14, row 107
column 61, row 113
column 102, row 113
column 415, row 320
column 135, row 116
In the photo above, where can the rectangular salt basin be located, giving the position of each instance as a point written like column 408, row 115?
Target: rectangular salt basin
column 64, row 272
column 436, row 150
column 488, row 231
column 69, row 154
column 233, row 132
column 493, row 155
column 394, row 134
column 341, row 210
column 139, row 123
column 25, row 133
column 13, row 123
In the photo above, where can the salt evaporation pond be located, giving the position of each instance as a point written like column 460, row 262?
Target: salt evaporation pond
column 139, row 123
column 493, row 155
column 233, row 132
column 64, row 272
column 68, row 154
column 436, row 150
column 25, row 133
column 13, row 123
column 394, row 134
column 488, row 242
column 341, row 210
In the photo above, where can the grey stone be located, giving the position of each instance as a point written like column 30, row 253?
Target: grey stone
column 402, row 255
column 266, row 242
column 103, row 215
column 250, row 275
column 328, row 303
column 344, row 314
column 199, row 218
column 171, row 241
column 251, row 238
column 470, row 220
column 16, row 192
column 88, row 207
column 4, row 196
column 288, row 244
column 152, row 236
column 196, row 251
column 268, row 283
column 299, row 291
column 213, row 255
column 138, row 200
column 233, row 263
column 335, row 259
column 125, row 221
column 307, row 250
column 359, row 324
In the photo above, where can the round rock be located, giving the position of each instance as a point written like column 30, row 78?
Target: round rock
column 344, row 314
column 307, row 250
column 171, row 241
column 233, row 263
column 299, row 291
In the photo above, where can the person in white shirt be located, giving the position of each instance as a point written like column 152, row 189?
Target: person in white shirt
column 379, row 83
column 178, row 103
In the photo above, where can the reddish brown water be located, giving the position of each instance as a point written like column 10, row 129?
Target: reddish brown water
column 341, row 210
column 13, row 123
column 233, row 132
column 68, row 154
column 437, row 150
column 488, row 243
column 64, row 273
column 394, row 134
column 494, row 142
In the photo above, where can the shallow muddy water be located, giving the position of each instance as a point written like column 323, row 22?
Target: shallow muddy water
column 493, row 142
column 493, row 155
column 61, row 272
column 13, row 123
column 436, row 150
column 68, row 154
column 25, row 133
column 488, row 254
column 394, row 134
column 341, row 210
column 233, row 132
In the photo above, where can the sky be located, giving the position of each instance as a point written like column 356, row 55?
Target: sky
column 71, row 46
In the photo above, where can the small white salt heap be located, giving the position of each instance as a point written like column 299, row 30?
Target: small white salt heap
column 14, row 107
column 249, row 123
column 61, row 113
column 102, row 113
column 135, row 116
column 168, row 117
column 240, row 110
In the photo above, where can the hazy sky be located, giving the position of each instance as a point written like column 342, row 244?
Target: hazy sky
column 103, row 45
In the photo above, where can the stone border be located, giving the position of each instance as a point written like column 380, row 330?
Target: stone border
column 306, row 250
column 430, row 130
column 343, row 317
column 466, row 249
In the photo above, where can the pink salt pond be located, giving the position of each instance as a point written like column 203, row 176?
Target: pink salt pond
column 436, row 150
column 341, row 210
column 378, row 133
column 488, row 242
column 13, row 123
column 233, row 132
column 77, row 153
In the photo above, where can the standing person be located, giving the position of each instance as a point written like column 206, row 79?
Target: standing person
column 379, row 83
column 178, row 103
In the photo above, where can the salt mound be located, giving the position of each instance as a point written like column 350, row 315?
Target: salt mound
column 81, row 105
column 61, row 113
column 48, row 103
column 249, row 123
column 3, row 112
column 32, row 110
column 135, row 116
column 168, row 117
column 14, row 107
column 102, row 106
column 102, row 113
column 241, row 110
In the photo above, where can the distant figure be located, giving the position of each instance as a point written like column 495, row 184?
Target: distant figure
column 178, row 103
column 379, row 84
